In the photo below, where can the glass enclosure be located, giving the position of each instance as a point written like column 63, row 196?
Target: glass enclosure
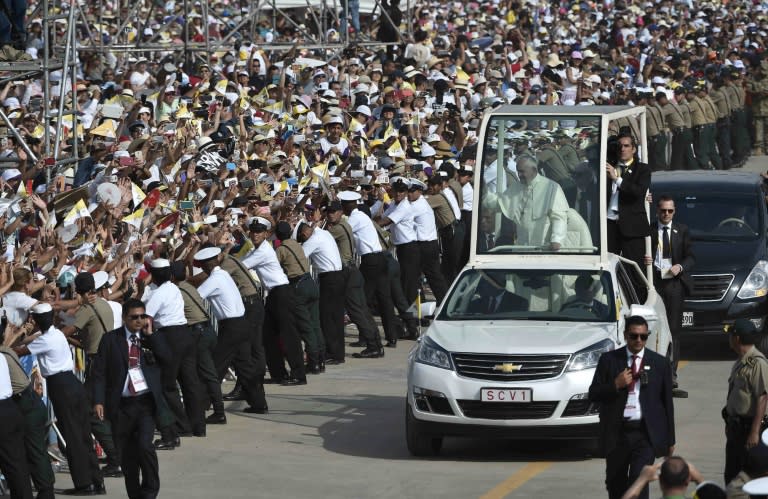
column 540, row 294
column 711, row 216
column 539, row 188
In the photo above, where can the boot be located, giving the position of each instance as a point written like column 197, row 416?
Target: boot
column 412, row 326
column 237, row 393
column 313, row 363
column 321, row 361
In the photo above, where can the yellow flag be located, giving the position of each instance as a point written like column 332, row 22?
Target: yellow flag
column 100, row 248
column 390, row 132
column 305, row 180
column 137, row 194
column 77, row 211
column 321, row 171
column 22, row 191
column 303, row 165
column 396, row 150
column 262, row 96
column 194, row 226
column 363, row 152
column 275, row 108
column 135, row 218
column 221, row 86
column 106, row 129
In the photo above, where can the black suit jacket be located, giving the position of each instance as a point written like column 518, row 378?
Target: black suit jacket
column 510, row 302
column 633, row 221
column 655, row 400
column 110, row 369
column 682, row 253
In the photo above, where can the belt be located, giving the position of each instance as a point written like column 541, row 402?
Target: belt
column 633, row 425
column 298, row 279
column 199, row 325
column 699, row 127
column 28, row 390
column 655, row 137
column 373, row 253
column 329, row 272
column 247, row 300
column 679, row 129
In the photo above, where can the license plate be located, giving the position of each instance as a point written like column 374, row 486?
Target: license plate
column 519, row 395
column 687, row 319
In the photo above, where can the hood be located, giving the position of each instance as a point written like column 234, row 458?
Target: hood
column 519, row 337
column 709, row 255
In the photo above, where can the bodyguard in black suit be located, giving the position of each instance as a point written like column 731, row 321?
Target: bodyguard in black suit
column 637, row 421
column 628, row 185
column 675, row 249
column 130, row 405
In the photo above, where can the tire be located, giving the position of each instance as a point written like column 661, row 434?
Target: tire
column 419, row 445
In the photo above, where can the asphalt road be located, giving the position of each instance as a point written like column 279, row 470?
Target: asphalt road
column 342, row 436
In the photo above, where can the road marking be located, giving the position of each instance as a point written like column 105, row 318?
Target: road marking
column 682, row 364
column 515, row 480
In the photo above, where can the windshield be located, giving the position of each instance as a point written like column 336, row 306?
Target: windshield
column 531, row 294
column 713, row 216
column 538, row 189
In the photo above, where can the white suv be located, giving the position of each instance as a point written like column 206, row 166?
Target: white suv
column 512, row 351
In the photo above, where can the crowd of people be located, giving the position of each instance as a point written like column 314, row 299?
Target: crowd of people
column 236, row 209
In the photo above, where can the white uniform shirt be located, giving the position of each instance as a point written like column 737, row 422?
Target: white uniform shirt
column 220, row 289
column 364, row 233
column 468, row 195
column 632, row 409
column 52, row 352
column 264, row 261
column 322, row 251
column 166, row 306
column 424, row 216
column 403, row 228
column 17, row 305
column 451, row 197
column 117, row 313
column 6, row 390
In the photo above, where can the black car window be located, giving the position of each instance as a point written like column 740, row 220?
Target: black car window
column 628, row 290
column 714, row 216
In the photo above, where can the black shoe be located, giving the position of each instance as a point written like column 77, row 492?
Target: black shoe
column 236, row 394
column 369, row 353
column 273, row 381
column 313, row 368
column 112, row 471
column 161, row 444
column 358, row 344
column 94, row 489
column 391, row 344
column 200, row 433
column 294, row 381
column 216, row 418
column 256, row 410
column 334, row 362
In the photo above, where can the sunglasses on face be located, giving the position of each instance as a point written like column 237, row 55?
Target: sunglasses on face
column 643, row 337
column 665, row 210
column 136, row 317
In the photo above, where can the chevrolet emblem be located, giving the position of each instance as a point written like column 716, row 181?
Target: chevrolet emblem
column 507, row 368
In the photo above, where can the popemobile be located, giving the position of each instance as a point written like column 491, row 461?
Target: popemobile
column 513, row 347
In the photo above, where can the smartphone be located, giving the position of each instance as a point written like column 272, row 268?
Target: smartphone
column 50, row 161
column 187, row 205
column 183, row 177
column 230, row 182
column 205, row 182
column 157, row 138
column 126, row 161
column 247, row 183
column 231, row 166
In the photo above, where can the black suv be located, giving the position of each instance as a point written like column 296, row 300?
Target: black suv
column 726, row 214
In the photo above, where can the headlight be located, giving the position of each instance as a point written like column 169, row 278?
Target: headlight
column 588, row 357
column 756, row 283
column 432, row 354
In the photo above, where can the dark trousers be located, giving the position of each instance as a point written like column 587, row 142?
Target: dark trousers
column 657, row 152
column 332, row 292
column 724, row 142
column 206, row 368
column 407, row 318
column 100, row 428
column 233, row 347
column 13, row 459
column 408, row 256
column 307, row 315
column 254, row 317
column 280, row 330
column 357, row 307
column 134, row 430
column 71, row 406
column 373, row 266
column 466, row 220
column 672, row 292
column 624, row 463
column 189, row 415
column 36, row 441
column 451, row 240
column 429, row 260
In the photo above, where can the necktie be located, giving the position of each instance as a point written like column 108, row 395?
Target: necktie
column 490, row 241
column 133, row 358
column 666, row 250
column 635, row 372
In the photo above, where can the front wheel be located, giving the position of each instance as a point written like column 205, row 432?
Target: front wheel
column 419, row 445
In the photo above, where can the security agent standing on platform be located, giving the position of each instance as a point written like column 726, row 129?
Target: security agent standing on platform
column 747, row 398
column 233, row 346
column 295, row 263
column 354, row 295
column 69, row 400
column 279, row 323
column 13, row 459
column 201, row 329
column 165, row 308
column 35, row 415
column 373, row 267
column 128, row 390
column 320, row 247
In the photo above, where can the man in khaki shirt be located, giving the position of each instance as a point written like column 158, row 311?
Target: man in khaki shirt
column 739, row 135
column 657, row 137
column 719, row 97
column 689, row 158
column 703, row 117
column 681, row 141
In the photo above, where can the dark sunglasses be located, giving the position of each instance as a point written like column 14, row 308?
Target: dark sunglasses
column 643, row 337
column 667, row 210
column 137, row 317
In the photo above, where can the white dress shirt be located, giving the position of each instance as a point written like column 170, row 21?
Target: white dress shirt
column 166, row 306
column 424, row 216
column 6, row 390
column 17, row 305
column 221, row 291
column 403, row 228
column 364, row 233
column 126, row 390
column 632, row 410
column 263, row 260
column 468, row 196
column 52, row 352
column 613, row 203
column 322, row 251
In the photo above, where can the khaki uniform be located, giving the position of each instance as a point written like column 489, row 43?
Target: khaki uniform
column 457, row 190
column 194, row 308
column 657, row 138
column 615, row 126
column 245, row 282
column 720, row 99
column 734, row 489
column 739, row 134
column 444, row 216
column 291, row 256
column 759, row 90
column 93, row 321
column 570, row 155
column 704, row 117
column 342, row 234
column 682, row 139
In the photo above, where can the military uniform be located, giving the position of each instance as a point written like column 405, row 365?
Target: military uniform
column 739, row 134
column 35, row 415
column 759, row 90
column 553, row 165
column 673, row 117
column 615, row 126
column 720, row 99
column 684, row 107
column 657, row 139
column 747, row 383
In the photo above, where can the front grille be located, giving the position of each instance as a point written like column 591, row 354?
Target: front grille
column 527, row 367
column 710, row 287
column 506, row 410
